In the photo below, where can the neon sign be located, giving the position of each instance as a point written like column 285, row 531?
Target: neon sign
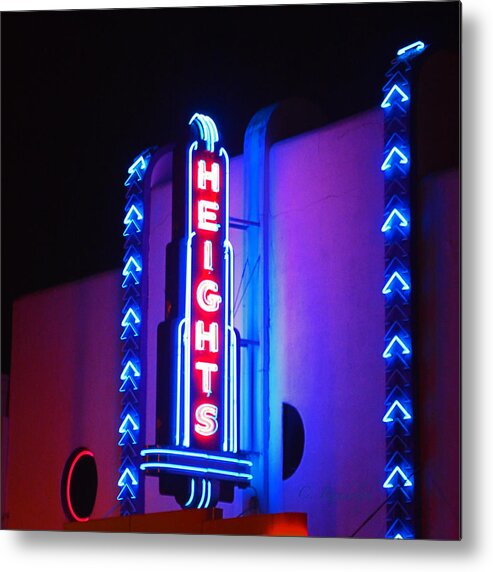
column 399, row 471
column 201, row 367
column 131, row 366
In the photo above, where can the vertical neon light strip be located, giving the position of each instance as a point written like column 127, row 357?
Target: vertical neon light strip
column 131, row 372
column 397, row 287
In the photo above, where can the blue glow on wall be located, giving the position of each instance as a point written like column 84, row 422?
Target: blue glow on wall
column 129, row 431
column 397, row 353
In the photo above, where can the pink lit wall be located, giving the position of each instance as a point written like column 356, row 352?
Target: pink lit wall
column 64, row 378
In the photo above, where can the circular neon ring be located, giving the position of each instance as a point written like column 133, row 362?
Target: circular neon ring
column 69, row 477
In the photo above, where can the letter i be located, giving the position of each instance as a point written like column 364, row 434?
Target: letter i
column 208, row 255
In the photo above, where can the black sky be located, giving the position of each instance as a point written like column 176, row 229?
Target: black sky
column 83, row 92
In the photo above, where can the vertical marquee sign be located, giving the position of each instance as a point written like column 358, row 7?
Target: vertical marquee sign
column 130, row 429
column 397, row 289
column 198, row 395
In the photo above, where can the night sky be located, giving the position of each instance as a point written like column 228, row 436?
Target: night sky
column 83, row 92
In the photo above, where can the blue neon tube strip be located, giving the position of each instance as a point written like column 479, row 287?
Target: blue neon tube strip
column 156, row 451
column 158, row 465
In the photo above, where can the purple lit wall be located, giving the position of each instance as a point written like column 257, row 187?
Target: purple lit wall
column 327, row 318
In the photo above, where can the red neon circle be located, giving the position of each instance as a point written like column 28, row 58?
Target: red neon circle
column 69, row 477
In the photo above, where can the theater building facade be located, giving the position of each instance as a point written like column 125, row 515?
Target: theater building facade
column 278, row 352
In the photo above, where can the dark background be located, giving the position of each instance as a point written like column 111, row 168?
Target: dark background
column 83, row 92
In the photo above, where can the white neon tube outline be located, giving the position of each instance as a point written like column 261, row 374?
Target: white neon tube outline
column 208, row 255
column 158, row 451
column 206, row 504
column 387, row 226
column 211, row 336
column 198, row 427
column 178, row 391
column 234, row 397
column 386, row 102
column 202, row 498
column 121, row 480
column 403, row 159
column 405, row 349
column 418, row 46
column 388, row 485
column 188, row 301
column 230, row 394
column 204, row 175
column 388, row 419
column 192, row 492
column 138, row 267
column 207, row 128
column 201, row 470
column 207, row 370
column 207, row 296
column 206, row 215
column 387, row 290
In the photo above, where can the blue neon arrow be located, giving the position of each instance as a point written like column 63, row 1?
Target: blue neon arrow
column 133, row 214
column 131, row 399
column 126, row 432
column 131, row 252
column 127, row 507
column 388, row 290
column 131, row 266
column 129, row 381
column 397, row 460
column 129, row 355
column 133, row 217
column 130, row 278
column 133, row 200
column 127, row 463
column 128, row 228
column 132, row 239
column 397, row 471
column 388, row 160
column 387, row 103
column 396, row 339
column 130, row 303
column 418, row 46
column 137, row 169
column 131, row 293
column 129, row 410
column 128, row 332
column 396, row 78
column 125, row 489
column 387, row 225
column 130, row 371
column 387, row 417
column 130, row 318
column 398, row 529
column 126, row 475
column 398, row 509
